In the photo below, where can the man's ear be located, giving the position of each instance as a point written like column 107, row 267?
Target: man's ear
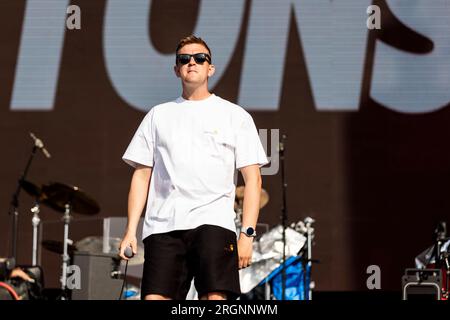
column 211, row 70
column 177, row 71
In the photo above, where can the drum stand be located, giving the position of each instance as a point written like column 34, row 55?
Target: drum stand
column 447, row 272
column 284, row 215
column 65, row 256
column 35, row 221
column 308, row 285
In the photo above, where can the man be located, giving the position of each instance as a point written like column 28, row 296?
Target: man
column 185, row 154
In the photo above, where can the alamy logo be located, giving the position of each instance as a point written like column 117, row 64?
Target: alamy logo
column 374, row 280
column 374, row 19
column 73, row 280
column 74, row 20
column 273, row 156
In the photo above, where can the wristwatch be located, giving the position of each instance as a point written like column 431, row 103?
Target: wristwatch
column 249, row 231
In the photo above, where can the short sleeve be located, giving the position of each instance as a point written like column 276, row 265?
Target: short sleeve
column 249, row 149
column 140, row 151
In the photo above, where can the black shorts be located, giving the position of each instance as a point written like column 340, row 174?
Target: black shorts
column 207, row 254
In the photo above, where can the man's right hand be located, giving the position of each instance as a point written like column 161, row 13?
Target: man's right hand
column 129, row 240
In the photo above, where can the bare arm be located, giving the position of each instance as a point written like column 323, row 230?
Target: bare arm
column 137, row 197
column 252, row 194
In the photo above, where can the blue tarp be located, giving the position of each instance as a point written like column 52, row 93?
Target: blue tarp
column 295, row 281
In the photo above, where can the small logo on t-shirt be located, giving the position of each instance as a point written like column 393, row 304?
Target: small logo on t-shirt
column 229, row 248
column 213, row 131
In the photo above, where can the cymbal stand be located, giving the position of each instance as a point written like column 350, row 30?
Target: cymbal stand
column 308, row 285
column 14, row 208
column 446, row 262
column 35, row 221
column 65, row 256
column 284, row 214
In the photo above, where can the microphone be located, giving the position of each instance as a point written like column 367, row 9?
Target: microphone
column 128, row 252
column 40, row 145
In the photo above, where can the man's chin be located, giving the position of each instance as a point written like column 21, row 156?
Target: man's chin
column 193, row 80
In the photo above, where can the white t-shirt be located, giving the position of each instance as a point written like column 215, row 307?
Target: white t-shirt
column 194, row 148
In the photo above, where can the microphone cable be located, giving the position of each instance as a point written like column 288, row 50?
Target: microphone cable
column 124, row 280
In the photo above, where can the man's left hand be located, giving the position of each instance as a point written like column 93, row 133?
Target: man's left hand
column 245, row 251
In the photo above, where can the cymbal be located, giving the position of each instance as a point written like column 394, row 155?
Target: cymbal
column 58, row 246
column 94, row 244
column 40, row 196
column 61, row 194
column 264, row 198
column 30, row 188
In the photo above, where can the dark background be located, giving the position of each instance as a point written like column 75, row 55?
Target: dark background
column 376, row 181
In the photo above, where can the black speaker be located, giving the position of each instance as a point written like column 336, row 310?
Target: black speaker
column 99, row 276
column 421, row 284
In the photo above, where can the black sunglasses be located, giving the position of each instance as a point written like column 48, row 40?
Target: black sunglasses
column 200, row 58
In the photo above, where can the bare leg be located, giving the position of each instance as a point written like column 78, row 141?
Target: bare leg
column 156, row 297
column 214, row 296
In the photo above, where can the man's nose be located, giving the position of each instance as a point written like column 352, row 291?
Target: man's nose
column 192, row 61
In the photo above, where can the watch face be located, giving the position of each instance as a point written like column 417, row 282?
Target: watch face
column 250, row 231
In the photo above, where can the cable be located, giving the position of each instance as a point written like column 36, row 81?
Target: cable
column 10, row 290
column 124, row 280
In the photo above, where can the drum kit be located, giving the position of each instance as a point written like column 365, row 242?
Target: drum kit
column 269, row 249
column 437, row 257
column 66, row 200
